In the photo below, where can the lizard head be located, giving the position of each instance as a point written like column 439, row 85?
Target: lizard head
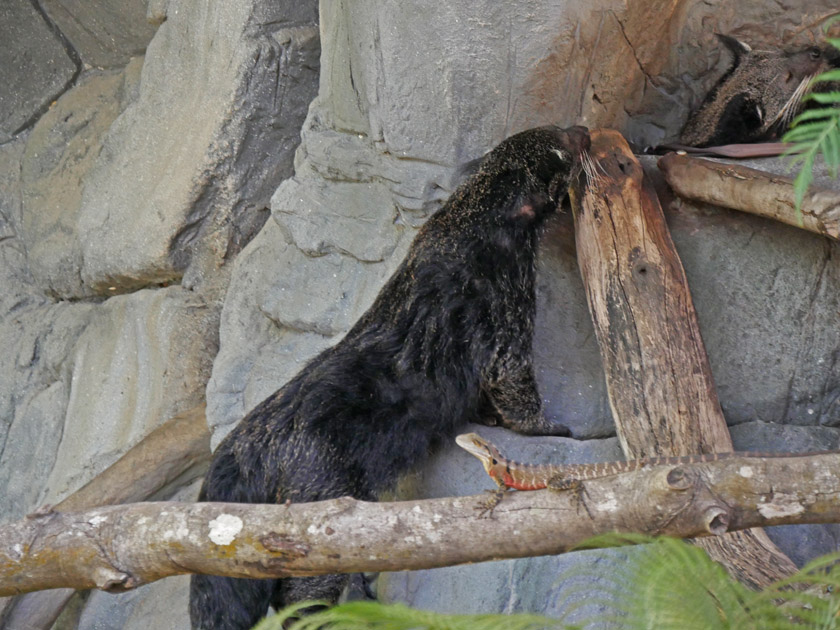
column 476, row 445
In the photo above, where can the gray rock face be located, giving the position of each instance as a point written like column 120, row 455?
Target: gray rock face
column 34, row 66
column 766, row 303
column 203, row 146
column 15, row 278
column 88, row 382
column 132, row 201
column 61, row 151
column 105, row 33
column 211, row 127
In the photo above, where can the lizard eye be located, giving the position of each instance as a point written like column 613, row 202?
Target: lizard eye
column 495, row 461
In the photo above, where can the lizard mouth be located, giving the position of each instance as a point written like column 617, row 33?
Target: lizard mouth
column 468, row 442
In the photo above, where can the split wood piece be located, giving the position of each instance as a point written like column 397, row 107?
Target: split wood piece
column 168, row 456
column 659, row 381
column 121, row 547
column 750, row 190
column 734, row 151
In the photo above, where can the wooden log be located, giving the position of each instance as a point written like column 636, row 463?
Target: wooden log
column 162, row 459
column 750, row 190
column 117, row 548
column 659, row 381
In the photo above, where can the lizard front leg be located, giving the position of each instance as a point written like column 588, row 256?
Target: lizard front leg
column 489, row 504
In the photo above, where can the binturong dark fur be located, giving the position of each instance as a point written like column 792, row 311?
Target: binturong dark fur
column 758, row 97
column 447, row 341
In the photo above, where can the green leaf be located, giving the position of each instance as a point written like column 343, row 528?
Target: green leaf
column 829, row 75
column 374, row 616
column 664, row 584
column 811, row 126
column 815, row 114
column 831, row 151
column 813, row 132
column 834, row 41
column 803, row 179
column 825, row 98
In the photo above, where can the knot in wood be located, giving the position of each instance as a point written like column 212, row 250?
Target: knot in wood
column 716, row 520
column 680, row 478
column 284, row 546
column 109, row 579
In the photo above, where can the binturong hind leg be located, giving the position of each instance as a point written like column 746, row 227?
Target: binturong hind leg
column 223, row 603
column 323, row 587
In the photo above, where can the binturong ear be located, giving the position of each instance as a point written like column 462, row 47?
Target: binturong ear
column 527, row 207
column 735, row 46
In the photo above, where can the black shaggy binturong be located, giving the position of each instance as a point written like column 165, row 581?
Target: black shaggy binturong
column 447, row 341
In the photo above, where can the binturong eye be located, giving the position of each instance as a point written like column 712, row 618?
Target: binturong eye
column 814, row 53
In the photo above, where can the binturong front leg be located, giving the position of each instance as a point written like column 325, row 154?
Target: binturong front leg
column 516, row 399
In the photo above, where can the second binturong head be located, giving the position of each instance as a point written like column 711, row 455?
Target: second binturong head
column 758, row 96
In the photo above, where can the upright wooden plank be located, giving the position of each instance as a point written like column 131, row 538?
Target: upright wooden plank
column 659, row 381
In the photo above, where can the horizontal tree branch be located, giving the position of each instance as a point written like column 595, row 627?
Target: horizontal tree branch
column 750, row 190
column 121, row 547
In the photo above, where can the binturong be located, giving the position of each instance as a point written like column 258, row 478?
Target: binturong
column 756, row 99
column 447, row 341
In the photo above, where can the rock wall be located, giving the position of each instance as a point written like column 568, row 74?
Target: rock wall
column 140, row 271
column 141, row 144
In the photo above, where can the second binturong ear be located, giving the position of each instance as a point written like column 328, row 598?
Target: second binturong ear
column 735, row 46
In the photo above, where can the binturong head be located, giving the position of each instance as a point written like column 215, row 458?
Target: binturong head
column 551, row 155
column 757, row 98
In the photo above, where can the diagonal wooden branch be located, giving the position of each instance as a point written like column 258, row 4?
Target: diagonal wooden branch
column 659, row 381
column 750, row 190
column 122, row 547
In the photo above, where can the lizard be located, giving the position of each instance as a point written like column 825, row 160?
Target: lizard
column 510, row 474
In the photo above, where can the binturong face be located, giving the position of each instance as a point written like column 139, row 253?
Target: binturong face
column 551, row 155
column 757, row 98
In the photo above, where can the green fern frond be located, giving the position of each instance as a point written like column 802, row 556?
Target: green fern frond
column 816, row 131
column 661, row 583
column 814, row 607
column 831, row 75
column 669, row 584
column 823, row 98
column 815, row 114
column 373, row 616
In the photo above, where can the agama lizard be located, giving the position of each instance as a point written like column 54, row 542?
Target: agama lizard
column 508, row 473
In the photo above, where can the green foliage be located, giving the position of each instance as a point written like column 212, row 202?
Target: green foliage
column 663, row 584
column 816, row 131
column 373, row 616
column 670, row 584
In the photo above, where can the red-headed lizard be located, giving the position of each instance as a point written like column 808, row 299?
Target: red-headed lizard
column 508, row 473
